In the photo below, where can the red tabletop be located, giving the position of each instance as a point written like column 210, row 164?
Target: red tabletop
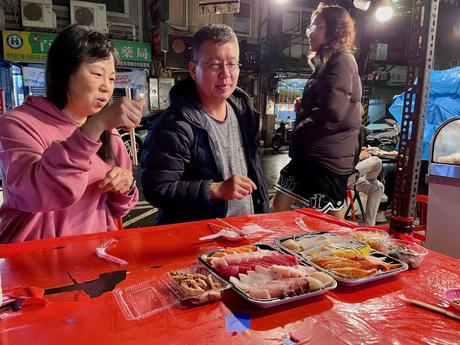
column 371, row 314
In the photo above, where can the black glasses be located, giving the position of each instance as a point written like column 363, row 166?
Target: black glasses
column 218, row 66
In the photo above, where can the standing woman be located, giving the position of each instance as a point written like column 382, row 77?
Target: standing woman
column 65, row 168
column 326, row 131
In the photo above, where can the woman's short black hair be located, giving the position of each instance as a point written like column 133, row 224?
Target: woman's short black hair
column 74, row 45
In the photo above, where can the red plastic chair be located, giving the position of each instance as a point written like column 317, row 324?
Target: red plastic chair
column 419, row 231
column 352, row 196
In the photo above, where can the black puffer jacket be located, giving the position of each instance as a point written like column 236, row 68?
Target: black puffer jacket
column 327, row 128
column 180, row 158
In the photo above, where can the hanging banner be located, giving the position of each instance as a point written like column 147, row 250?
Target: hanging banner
column 22, row 46
column 34, row 76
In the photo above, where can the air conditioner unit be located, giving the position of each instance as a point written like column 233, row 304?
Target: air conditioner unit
column 37, row 13
column 89, row 13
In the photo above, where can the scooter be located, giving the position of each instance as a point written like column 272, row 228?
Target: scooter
column 282, row 136
column 387, row 139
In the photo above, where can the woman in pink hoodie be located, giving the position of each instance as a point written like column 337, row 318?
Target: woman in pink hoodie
column 65, row 168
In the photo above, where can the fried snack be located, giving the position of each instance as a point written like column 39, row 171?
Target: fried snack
column 194, row 283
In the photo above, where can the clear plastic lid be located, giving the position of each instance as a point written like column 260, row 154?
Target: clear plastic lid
column 139, row 301
column 191, row 285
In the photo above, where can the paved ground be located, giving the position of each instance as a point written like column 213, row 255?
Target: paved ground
column 272, row 162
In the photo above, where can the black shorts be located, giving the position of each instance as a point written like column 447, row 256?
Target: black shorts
column 313, row 185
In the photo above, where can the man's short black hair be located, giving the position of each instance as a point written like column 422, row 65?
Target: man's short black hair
column 215, row 33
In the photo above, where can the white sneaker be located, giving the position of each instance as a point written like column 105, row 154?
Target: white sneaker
column 380, row 217
column 384, row 198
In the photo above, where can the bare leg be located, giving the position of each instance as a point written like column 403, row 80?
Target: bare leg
column 282, row 202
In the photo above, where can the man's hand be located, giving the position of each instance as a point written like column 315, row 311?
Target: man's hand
column 117, row 180
column 236, row 187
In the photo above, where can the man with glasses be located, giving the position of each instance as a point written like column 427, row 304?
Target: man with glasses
column 200, row 159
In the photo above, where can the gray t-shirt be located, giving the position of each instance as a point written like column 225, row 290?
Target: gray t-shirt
column 230, row 145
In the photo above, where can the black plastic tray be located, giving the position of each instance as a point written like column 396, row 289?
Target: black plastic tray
column 268, row 303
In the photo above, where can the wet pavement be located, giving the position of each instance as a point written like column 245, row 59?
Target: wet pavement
column 272, row 162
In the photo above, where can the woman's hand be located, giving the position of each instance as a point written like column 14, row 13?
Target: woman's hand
column 124, row 112
column 117, row 180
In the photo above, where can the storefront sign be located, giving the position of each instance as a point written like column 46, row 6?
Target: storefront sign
column 21, row 46
column 131, row 51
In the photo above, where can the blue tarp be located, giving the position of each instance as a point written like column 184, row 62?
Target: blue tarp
column 443, row 103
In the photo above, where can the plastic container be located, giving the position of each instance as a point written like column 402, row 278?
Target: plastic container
column 196, row 285
column 453, row 297
column 275, row 301
column 373, row 237
column 410, row 253
column 141, row 300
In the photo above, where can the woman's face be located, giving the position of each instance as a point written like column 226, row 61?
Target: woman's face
column 90, row 88
column 317, row 35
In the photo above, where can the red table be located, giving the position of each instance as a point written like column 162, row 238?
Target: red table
column 372, row 313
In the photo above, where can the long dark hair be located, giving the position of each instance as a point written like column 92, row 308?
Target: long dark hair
column 340, row 34
column 74, row 45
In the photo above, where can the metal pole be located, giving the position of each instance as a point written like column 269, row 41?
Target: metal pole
column 419, row 65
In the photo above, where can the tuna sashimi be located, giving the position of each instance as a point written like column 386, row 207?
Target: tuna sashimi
column 229, row 271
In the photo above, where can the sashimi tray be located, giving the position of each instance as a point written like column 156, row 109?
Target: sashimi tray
column 348, row 261
column 267, row 277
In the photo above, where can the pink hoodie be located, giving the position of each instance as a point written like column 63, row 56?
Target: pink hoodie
column 50, row 176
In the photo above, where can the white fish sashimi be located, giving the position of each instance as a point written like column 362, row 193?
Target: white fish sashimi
column 315, row 284
column 219, row 263
column 259, row 277
column 322, row 277
column 273, row 275
column 232, row 259
column 305, row 270
column 282, row 270
column 260, row 293
column 238, row 283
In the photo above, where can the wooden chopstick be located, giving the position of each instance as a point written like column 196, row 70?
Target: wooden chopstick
column 234, row 228
column 132, row 135
column 431, row 307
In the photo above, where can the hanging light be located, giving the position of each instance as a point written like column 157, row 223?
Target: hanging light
column 280, row 1
column 384, row 12
column 362, row 5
